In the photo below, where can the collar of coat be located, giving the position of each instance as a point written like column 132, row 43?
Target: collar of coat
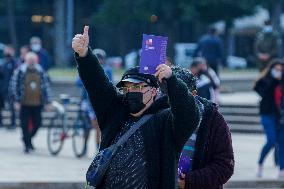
column 24, row 67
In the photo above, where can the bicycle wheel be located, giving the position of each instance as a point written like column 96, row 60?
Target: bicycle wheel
column 81, row 131
column 55, row 135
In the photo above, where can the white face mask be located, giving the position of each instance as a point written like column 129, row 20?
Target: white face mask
column 268, row 29
column 276, row 74
column 35, row 47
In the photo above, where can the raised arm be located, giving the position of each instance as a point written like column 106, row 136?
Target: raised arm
column 183, row 107
column 101, row 91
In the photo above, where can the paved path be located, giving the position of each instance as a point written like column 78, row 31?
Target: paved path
column 240, row 98
column 246, row 149
column 40, row 166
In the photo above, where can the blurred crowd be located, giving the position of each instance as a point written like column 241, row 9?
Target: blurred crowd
column 24, row 86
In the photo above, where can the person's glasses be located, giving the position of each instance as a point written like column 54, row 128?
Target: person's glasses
column 134, row 88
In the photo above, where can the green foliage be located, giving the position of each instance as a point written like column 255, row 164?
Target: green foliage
column 214, row 10
column 116, row 12
column 20, row 6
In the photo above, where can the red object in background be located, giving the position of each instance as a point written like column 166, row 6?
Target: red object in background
column 277, row 96
column 30, row 126
column 154, row 18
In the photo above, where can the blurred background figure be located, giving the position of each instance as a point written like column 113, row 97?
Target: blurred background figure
column 266, row 45
column 44, row 59
column 1, row 98
column 85, row 105
column 208, row 83
column 101, row 54
column 23, row 52
column 279, row 99
column 211, row 48
column 265, row 86
column 7, row 69
column 85, row 102
column 30, row 87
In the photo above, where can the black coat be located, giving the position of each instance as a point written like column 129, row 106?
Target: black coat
column 7, row 69
column 164, row 134
column 213, row 162
column 265, row 87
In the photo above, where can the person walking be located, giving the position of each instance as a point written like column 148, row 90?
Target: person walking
column 265, row 87
column 210, row 47
column 31, row 91
column 1, row 98
column 7, row 69
column 267, row 44
column 279, row 97
column 206, row 85
column 149, row 157
column 43, row 56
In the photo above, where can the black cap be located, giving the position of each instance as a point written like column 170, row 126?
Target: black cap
column 132, row 75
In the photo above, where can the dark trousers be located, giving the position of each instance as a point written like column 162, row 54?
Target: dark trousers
column 28, row 113
column 214, row 65
column 13, row 113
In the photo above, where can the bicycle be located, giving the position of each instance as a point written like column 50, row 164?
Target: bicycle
column 61, row 129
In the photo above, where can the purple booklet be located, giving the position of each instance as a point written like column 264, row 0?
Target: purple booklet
column 154, row 49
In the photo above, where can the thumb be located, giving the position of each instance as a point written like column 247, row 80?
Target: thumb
column 86, row 31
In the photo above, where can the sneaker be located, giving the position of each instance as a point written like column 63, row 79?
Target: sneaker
column 259, row 171
column 31, row 147
column 26, row 150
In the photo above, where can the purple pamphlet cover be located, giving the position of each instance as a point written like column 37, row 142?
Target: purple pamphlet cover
column 154, row 49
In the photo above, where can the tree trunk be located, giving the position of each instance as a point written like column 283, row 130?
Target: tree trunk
column 227, row 41
column 12, row 25
column 275, row 18
column 70, row 21
column 59, row 31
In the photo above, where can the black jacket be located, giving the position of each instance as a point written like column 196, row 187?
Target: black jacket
column 7, row 69
column 265, row 87
column 213, row 162
column 164, row 134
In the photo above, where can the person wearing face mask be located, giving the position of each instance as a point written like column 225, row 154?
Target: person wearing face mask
column 279, row 97
column 265, row 87
column 266, row 45
column 43, row 56
column 30, row 89
column 149, row 157
column 206, row 85
column 7, row 68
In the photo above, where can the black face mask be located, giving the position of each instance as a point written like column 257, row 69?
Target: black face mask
column 134, row 101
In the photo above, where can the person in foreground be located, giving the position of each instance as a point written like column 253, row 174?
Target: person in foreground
column 149, row 158
column 207, row 159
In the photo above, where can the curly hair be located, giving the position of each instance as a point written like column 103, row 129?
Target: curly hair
column 186, row 76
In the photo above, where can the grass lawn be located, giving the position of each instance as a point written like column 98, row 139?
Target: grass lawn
column 71, row 73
